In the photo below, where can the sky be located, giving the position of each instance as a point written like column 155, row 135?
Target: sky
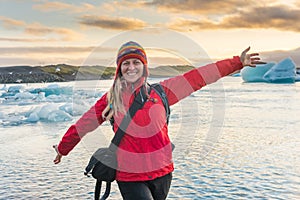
column 43, row 32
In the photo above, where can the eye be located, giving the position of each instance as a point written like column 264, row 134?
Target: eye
column 137, row 62
column 125, row 63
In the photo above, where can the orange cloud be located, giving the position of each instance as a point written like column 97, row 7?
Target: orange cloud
column 120, row 23
column 37, row 29
column 276, row 17
column 58, row 6
column 41, row 30
column 9, row 23
column 197, row 7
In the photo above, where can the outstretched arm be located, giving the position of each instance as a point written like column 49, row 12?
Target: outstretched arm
column 88, row 122
column 182, row 86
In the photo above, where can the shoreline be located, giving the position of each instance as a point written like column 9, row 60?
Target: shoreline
column 66, row 73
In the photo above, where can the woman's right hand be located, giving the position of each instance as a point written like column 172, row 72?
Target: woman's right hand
column 58, row 156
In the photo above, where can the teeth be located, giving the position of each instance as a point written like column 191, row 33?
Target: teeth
column 131, row 73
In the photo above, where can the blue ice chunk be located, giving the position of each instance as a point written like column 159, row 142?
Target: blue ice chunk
column 46, row 110
column 282, row 72
column 68, row 108
column 33, row 117
column 13, row 90
column 24, row 95
column 53, row 89
column 16, row 88
column 255, row 74
column 59, row 116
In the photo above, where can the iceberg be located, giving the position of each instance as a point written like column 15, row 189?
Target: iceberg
column 33, row 117
column 282, row 72
column 256, row 74
column 44, row 112
column 59, row 116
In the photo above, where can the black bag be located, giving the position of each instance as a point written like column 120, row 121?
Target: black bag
column 103, row 164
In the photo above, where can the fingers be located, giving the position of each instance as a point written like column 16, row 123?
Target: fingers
column 254, row 54
column 57, row 159
column 259, row 62
column 256, row 60
column 58, row 156
column 245, row 51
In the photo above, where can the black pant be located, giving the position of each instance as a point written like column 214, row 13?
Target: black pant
column 156, row 189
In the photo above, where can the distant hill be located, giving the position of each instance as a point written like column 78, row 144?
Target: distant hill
column 64, row 72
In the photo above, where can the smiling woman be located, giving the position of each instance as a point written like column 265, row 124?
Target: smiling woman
column 144, row 150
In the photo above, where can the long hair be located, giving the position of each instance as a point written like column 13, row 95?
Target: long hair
column 114, row 99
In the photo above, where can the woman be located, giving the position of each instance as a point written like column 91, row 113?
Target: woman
column 145, row 154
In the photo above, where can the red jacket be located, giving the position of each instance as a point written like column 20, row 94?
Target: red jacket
column 145, row 151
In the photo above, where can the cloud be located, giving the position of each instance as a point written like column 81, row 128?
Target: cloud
column 11, row 39
column 60, row 6
column 36, row 29
column 276, row 17
column 44, row 49
column 120, row 23
column 198, row 7
column 41, row 30
column 9, row 23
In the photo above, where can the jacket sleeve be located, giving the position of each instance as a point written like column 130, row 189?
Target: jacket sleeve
column 88, row 122
column 181, row 86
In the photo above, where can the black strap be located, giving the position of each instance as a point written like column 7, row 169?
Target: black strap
column 98, row 190
column 137, row 104
column 162, row 94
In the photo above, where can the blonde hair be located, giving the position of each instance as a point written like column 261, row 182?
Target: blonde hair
column 114, row 100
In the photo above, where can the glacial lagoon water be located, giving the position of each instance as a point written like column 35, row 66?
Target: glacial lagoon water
column 233, row 140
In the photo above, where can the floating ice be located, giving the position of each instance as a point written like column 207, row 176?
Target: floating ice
column 13, row 90
column 59, row 116
column 44, row 112
column 16, row 88
column 68, row 108
column 24, row 95
column 54, row 103
column 282, row 72
column 53, row 89
column 255, row 74
column 33, row 117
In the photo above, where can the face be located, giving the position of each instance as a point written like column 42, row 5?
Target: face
column 132, row 69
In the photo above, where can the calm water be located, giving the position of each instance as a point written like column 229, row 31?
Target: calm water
column 233, row 141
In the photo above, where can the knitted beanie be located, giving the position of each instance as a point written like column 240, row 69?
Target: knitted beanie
column 131, row 50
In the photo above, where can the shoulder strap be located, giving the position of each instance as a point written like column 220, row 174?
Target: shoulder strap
column 161, row 92
column 137, row 104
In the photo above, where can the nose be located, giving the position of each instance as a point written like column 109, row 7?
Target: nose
column 131, row 66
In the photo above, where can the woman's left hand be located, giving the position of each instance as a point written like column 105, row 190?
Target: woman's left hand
column 58, row 155
column 251, row 59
